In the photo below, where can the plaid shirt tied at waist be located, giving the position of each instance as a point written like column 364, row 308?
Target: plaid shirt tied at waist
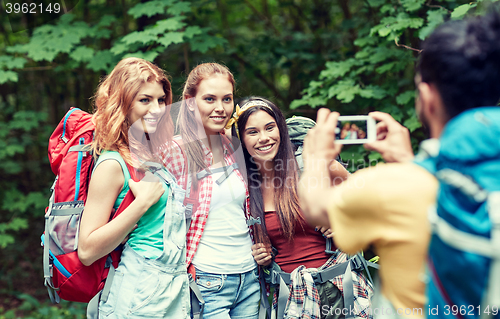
column 304, row 299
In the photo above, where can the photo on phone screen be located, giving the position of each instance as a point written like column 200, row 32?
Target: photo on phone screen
column 355, row 129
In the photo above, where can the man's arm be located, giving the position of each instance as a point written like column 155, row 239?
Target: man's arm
column 316, row 181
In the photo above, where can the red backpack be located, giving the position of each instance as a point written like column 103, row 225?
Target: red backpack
column 72, row 163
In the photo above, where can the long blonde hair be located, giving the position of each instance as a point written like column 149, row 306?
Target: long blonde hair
column 113, row 102
column 186, row 120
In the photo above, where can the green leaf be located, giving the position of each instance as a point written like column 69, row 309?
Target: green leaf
column 391, row 24
column 11, row 63
column 27, row 120
column 6, row 240
column 14, row 149
column 381, row 54
column 344, row 90
column 15, row 224
column 310, row 101
column 148, row 9
column 119, row 48
column 6, row 76
column 405, row 97
column 297, row 103
column 376, row 3
column 386, row 67
column 205, row 42
column 50, row 40
column 368, row 40
column 9, row 166
column 17, row 202
column 375, row 158
column 191, row 31
column 179, row 8
column 102, row 34
column 462, row 10
column 412, row 5
column 373, row 92
column 412, row 123
column 388, row 9
column 143, row 37
column 106, row 21
column 434, row 18
column 383, row 32
column 338, row 69
column 82, row 54
column 170, row 38
column 102, row 60
column 149, row 55
column 170, row 24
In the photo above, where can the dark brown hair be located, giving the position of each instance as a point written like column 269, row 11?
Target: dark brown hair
column 285, row 171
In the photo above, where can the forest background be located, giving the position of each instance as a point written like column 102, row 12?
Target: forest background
column 353, row 56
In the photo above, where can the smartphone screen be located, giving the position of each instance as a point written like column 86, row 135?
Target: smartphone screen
column 354, row 130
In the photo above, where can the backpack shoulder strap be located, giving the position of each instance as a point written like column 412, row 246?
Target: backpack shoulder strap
column 191, row 197
column 113, row 155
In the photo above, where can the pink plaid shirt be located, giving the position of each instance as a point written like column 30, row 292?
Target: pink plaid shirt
column 175, row 161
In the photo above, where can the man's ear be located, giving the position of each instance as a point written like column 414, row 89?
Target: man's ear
column 190, row 102
column 427, row 96
column 432, row 108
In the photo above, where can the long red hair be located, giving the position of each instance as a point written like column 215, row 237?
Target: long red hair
column 113, row 103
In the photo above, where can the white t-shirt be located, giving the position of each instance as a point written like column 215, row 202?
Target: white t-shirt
column 225, row 246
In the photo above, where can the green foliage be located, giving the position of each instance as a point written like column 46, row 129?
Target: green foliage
column 31, row 308
column 379, row 74
column 78, row 41
column 434, row 18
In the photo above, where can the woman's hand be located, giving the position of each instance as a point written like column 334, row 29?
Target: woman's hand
column 261, row 254
column 148, row 191
column 327, row 232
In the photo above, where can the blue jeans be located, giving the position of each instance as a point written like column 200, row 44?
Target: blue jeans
column 234, row 296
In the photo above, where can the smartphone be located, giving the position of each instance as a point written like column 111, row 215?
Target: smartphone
column 355, row 129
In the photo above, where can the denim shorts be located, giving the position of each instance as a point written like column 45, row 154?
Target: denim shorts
column 230, row 296
column 144, row 288
column 153, row 288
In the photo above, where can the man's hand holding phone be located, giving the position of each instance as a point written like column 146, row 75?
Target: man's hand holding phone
column 355, row 129
column 392, row 141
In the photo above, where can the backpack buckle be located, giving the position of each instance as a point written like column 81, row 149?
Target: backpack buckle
column 357, row 264
column 188, row 213
column 318, row 278
column 252, row 221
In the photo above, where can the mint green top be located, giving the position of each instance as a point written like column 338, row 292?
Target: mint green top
column 147, row 238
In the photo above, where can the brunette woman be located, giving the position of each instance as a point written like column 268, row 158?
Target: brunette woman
column 273, row 179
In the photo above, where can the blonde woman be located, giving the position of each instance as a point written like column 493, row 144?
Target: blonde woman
column 219, row 239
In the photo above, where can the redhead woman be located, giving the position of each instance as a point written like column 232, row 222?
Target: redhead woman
column 132, row 118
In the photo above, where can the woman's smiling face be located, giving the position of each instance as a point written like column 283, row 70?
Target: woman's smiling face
column 148, row 107
column 261, row 137
column 214, row 99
